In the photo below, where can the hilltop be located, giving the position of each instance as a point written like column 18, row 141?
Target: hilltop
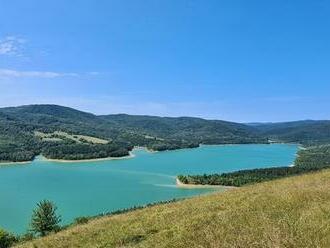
column 308, row 132
column 64, row 133
column 291, row 212
column 52, row 130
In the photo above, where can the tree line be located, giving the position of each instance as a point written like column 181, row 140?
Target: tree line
column 308, row 160
column 19, row 143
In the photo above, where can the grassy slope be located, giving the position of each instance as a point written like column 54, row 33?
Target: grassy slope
column 291, row 212
column 59, row 136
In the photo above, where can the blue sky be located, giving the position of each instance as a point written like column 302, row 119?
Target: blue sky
column 235, row 60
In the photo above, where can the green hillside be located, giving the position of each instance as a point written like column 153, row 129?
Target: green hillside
column 291, row 212
column 19, row 126
column 304, row 132
column 120, row 133
column 279, row 213
column 187, row 128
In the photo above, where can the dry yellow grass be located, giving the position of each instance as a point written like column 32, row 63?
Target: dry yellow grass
column 291, row 212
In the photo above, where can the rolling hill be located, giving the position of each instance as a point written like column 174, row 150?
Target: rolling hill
column 23, row 130
column 279, row 213
column 291, row 212
column 19, row 126
column 307, row 132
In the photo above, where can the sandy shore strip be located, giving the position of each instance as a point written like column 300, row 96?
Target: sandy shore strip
column 14, row 163
column 194, row 186
column 131, row 155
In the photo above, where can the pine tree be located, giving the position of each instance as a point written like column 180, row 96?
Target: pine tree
column 44, row 218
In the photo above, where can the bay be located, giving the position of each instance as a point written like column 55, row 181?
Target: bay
column 91, row 188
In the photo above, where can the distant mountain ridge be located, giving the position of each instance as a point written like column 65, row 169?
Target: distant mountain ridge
column 307, row 132
column 19, row 142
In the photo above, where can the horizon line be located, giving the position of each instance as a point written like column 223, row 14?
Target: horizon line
column 163, row 116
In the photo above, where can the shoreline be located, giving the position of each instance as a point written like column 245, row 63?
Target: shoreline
column 43, row 158
column 180, row 184
column 15, row 163
column 131, row 155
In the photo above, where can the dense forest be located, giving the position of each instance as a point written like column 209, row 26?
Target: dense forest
column 84, row 151
column 307, row 133
column 19, row 125
column 121, row 132
column 195, row 130
column 308, row 160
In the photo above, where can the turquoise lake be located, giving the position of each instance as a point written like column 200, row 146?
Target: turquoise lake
column 90, row 188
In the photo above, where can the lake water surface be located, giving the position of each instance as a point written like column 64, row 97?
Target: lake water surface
column 90, row 188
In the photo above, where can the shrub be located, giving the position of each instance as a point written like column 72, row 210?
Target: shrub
column 26, row 237
column 44, row 218
column 6, row 239
column 81, row 220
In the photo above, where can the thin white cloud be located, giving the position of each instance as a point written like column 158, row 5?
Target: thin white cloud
column 11, row 45
column 34, row 74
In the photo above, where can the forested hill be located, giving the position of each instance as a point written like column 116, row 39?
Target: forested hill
column 307, row 132
column 192, row 129
column 65, row 133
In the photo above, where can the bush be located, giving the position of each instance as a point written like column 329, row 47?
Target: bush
column 26, row 237
column 81, row 220
column 45, row 219
column 6, row 239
